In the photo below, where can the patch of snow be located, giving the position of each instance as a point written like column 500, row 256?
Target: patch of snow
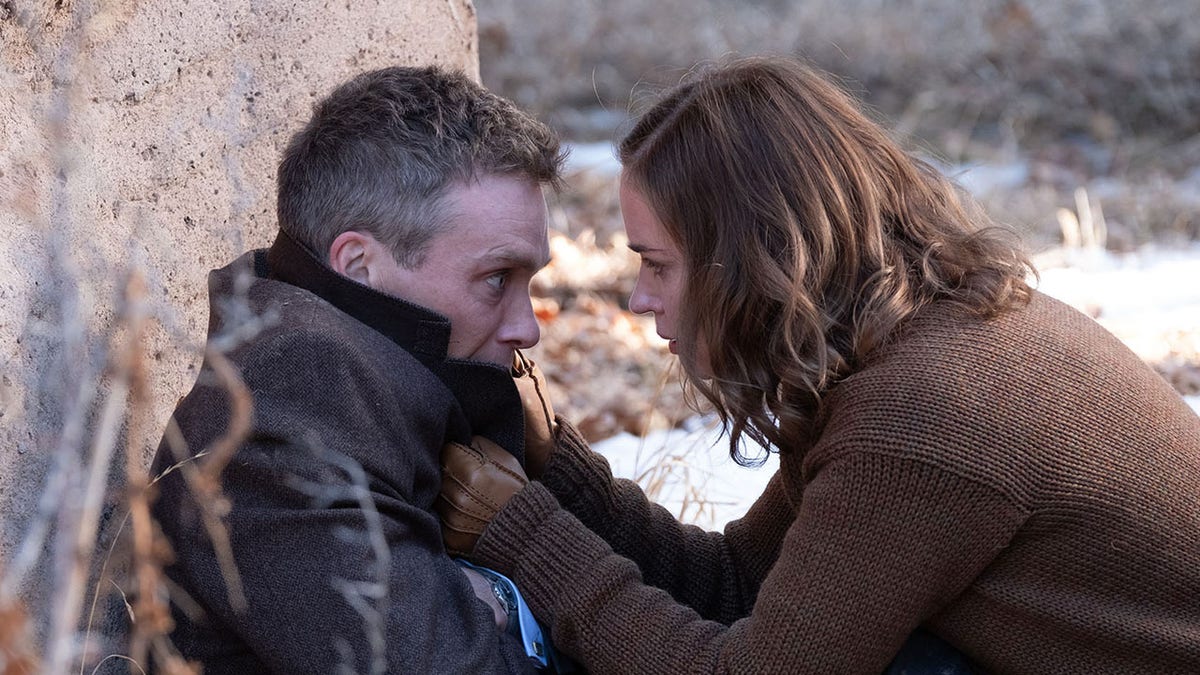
column 595, row 157
column 1149, row 281
column 983, row 179
column 1141, row 297
column 1193, row 401
column 699, row 465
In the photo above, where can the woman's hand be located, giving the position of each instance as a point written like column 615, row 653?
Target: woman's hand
column 539, row 414
column 477, row 481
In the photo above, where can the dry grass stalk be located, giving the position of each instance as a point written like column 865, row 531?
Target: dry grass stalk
column 203, row 478
column 1069, row 224
column 202, row 472
column 150, row 612
column 80, row 526
column 151, row 622
column 665, row 469
column 668, row 469
column 151, row 616
column 370, row 598
column 57, row 484
column 76, row 526
column 1084, row 227
column 17, row 655
column 128, row 395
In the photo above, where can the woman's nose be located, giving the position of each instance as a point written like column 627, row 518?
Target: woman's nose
column 641, row 302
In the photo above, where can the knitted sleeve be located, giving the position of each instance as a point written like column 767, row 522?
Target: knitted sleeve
column 879, row 544
column 716, row 574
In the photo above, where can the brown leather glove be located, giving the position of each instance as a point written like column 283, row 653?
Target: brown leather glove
column 539, row 414
column 477, row 481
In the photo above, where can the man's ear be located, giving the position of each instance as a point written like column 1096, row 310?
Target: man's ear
column 350, row 255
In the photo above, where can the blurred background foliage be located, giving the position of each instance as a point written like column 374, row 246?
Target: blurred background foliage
column 992, row 71
column 1074, row 122
column 1062, row 92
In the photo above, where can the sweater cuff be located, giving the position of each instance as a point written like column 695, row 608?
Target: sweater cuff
column 576, row 474
column 542, row 547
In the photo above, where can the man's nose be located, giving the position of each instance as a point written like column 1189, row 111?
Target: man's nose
column 522, row 330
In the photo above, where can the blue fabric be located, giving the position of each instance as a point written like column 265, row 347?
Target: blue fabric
column 536, row 646
column 926, row 654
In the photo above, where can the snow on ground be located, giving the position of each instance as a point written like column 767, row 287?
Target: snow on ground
column 1143, row 298
column 598, row 157
column 698, row 468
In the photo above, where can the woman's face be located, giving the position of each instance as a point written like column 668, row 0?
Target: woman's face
column 661, row 278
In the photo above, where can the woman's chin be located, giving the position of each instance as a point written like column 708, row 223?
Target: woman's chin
column 700, row 370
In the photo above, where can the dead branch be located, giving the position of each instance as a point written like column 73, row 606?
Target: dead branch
column 369, row 598
column 80, row 526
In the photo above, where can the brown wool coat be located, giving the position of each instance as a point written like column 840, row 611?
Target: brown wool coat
column 1025, row 488
column 353, row 397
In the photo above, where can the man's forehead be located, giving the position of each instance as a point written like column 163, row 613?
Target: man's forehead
column 517, row 252
column 496, row 221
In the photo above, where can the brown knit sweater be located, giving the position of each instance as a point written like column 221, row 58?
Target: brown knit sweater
column 1024, row 488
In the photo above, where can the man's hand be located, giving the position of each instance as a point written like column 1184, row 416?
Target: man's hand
column 477, row 481
column 539, row 414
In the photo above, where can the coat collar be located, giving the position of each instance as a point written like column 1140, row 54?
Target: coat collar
column 485, row 391
column 419, row 330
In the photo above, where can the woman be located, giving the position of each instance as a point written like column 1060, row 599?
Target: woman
column 958, row 453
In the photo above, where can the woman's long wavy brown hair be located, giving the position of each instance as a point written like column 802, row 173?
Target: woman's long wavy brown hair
column 809, row 236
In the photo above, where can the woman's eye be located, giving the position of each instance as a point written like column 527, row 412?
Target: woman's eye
column 655, row 267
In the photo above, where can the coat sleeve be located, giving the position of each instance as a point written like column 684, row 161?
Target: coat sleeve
column 878, row 545
column 716, row 574
column 332, row 531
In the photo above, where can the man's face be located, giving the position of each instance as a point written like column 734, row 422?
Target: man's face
column 477, row 271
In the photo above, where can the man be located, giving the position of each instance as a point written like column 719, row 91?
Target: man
column 378, row 327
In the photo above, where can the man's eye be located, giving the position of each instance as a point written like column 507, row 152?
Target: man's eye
column 496, row 281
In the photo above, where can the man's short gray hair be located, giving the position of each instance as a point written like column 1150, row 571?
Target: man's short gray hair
column 380, row 152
